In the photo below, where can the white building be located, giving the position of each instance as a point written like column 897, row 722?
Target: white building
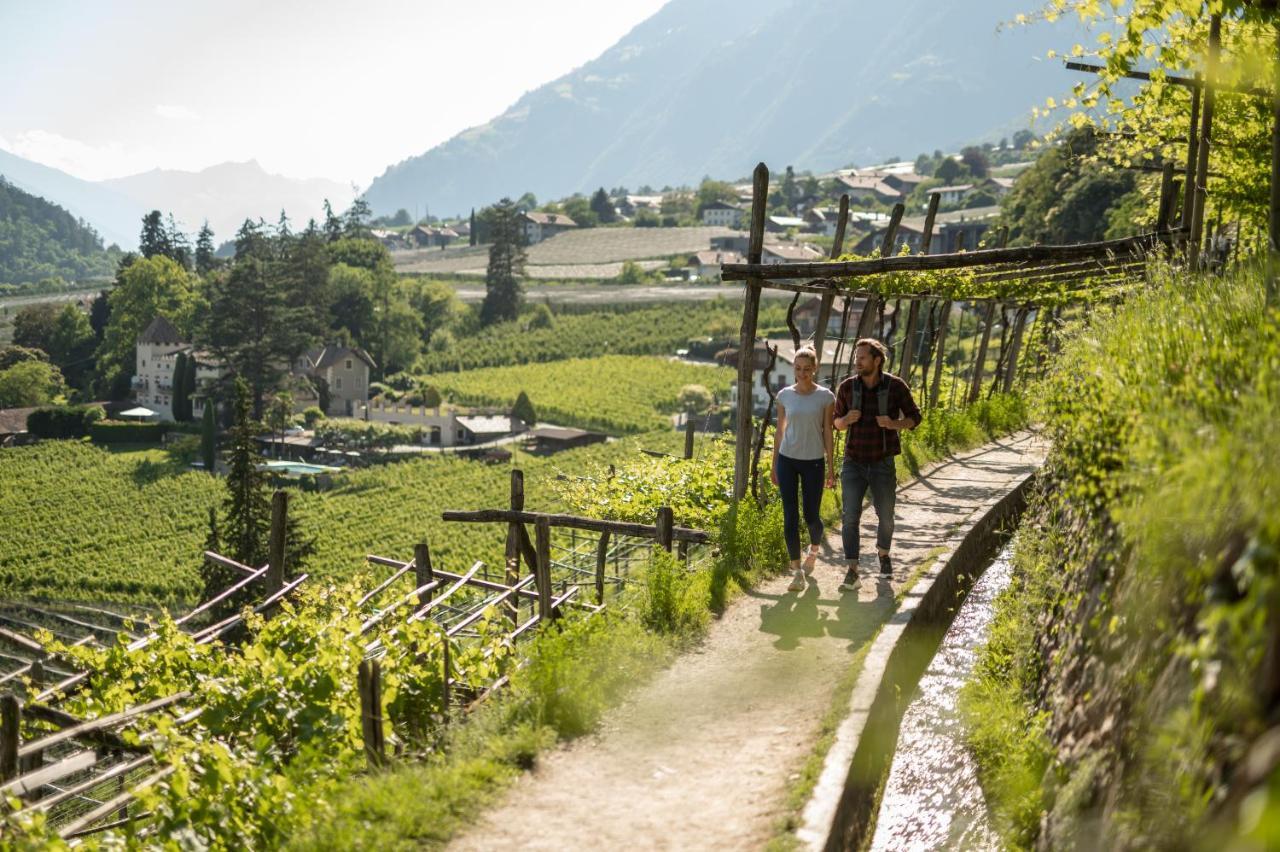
column 784, row 372
column 156, row 356
column 723, row 214
column 542, row 226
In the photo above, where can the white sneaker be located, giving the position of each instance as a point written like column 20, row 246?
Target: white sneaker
column 798, row 583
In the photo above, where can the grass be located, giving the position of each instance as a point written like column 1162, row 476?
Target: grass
column 1153, row 552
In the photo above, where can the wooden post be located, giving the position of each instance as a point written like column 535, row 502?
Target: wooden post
column 891, row 232
column 10, row 732
column 602, row 554
column 1166, row 198
column 665, row 522
column 828, row 299
column 975, row 388
column 511, row 606
column 1273, row 224
column 747, row 339
column 939, row 352
column 908, row 342
column 35, row 760
column 446, row 663
column 542, row 545
column 370, row 686
column 1015, row 347
column 1206, row 131
column 1189, row 187
column 926, row 240
column 276, row 546
column 688, row 436
column 422, row 573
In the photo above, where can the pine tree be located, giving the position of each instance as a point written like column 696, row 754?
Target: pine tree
column 206, row 262
column 153, row 240
column 503, row 292
column 602, row 206
column 247, row 505
column 332, row 224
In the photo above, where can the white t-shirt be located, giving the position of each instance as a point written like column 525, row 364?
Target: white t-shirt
column 802, row 438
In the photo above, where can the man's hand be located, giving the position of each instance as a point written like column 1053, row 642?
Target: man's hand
column 885, row 421
column 849, row 419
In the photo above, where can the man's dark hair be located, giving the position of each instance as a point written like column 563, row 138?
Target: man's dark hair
column 877, row 348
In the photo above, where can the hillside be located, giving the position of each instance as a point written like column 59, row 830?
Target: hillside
column 229, row 193
column 42, row 240
column 710, row 87
column 117, row 218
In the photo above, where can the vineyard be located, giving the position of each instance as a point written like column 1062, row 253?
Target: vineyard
column 71, row 497
column 651, row 330
column 612, row 393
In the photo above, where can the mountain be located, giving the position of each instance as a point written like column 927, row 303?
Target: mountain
column 41, row 240
column 710, row 87
column 117, row 218
column 229, row 193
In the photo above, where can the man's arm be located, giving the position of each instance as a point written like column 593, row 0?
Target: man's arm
column 907, row 407
column 843, row 418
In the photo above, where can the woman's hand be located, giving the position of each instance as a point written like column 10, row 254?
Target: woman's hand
column 831, row 477
column 773, row 472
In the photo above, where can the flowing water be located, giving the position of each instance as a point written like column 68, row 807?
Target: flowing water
column 932, row 799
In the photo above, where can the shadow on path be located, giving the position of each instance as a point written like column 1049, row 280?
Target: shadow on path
column 794, row 616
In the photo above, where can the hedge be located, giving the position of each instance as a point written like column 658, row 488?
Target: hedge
column 63, row 421
column 117, row 432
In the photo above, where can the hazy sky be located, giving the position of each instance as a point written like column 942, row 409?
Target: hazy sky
column 321, row 88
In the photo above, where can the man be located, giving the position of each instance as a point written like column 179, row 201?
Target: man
column 865, row 405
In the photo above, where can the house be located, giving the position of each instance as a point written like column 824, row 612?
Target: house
column 782, row 224
column 957, row 230
column 478, row 428
column 633, row 204
column 13, row 426
column 425, row 236
column 155, row 357
column 807, row 312
column 345, row 372
column 739, row 242
column 775, row 253
column 996, row 187
column 391, row 239
column 873, row 187
column 543, row 226
column 446, row 425
column 705, row 265
column 545, row 440
column 903, row 182
column 723, row 214
column 951, row 195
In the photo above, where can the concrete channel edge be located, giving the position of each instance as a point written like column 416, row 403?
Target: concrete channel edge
column 841, row 810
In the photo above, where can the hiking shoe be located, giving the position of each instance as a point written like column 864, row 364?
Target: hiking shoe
column 810, row 560
column 850, row 583
column 886, row 566
column 798, row 583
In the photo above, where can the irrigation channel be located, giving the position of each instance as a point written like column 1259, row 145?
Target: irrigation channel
column 932, row 799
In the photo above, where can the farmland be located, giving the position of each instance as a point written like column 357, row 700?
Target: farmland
column 612, row 393
column 588, row 253
column 129, row 526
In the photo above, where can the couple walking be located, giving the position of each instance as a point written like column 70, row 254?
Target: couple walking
column 871, row 406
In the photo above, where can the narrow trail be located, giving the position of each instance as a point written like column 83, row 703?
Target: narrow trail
column 701, row 756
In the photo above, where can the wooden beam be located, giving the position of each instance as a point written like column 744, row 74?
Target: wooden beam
column 747, row 337
column 891, row 232
column 1195, row 84
column 1206, row 133
column 1273, row 224
column 664, row 525
column 926, row 239
column 10, row 735
column 908, row 343
column 276, row 546
column 1193, row 139
column 979, row 364
column 574, row 522
column 542, row 543
column 828, row 299
column 934, row 262
column 602, row 554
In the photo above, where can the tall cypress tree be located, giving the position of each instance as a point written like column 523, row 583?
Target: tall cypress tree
column 474, row 234
column 503, row 293
column 188, row 388
column 208, row 436
column 247, row 506
column 179, row 406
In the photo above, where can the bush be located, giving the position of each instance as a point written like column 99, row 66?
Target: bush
column 117, row 432
column 64, row 421
column 311, row 416
column 674, row 600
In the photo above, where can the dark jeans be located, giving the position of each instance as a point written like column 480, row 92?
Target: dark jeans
column 808, row 474
column 855, row 479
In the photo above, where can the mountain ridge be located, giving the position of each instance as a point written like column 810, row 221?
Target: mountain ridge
column 709, row 87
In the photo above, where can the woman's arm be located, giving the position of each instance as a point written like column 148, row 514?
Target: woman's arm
column 777, row 442
column 828, row 443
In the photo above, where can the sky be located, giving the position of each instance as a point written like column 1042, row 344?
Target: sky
column 322, row 88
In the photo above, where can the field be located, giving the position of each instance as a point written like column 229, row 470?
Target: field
column 83, row 523
column 612, row 393
column 589, row 253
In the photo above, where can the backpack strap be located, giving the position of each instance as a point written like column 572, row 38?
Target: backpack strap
column 882, row 395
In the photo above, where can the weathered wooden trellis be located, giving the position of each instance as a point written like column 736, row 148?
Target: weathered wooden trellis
column 1112, row 262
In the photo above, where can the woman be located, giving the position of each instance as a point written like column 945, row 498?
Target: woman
column 802, row 455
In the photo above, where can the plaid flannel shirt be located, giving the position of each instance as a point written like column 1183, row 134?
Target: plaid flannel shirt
column 866, row 441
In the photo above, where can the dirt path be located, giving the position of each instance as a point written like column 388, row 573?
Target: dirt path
column 700, row 758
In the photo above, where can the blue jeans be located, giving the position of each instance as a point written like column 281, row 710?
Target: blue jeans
column 855, row 479
column 808, row 474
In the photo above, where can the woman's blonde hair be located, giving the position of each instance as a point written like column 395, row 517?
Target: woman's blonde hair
column 806, row 352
